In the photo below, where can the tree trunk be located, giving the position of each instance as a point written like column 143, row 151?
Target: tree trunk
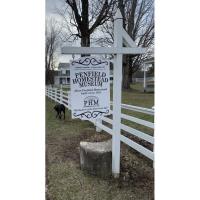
column 49, row 79
column 126, row 82
column 126, row 78
column 85, row 41
column 130, row 74
column 127, row 72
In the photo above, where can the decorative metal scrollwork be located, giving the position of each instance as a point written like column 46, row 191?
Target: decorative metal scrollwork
column 89, row 60
column 89, row 114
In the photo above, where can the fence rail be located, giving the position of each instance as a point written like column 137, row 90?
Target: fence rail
column 63, row 97
column 141, row 80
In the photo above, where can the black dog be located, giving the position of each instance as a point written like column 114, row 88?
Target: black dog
column 59, row 108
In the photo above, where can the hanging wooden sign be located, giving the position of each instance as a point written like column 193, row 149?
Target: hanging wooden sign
column 90, row 88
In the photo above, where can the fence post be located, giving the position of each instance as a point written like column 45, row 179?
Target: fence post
column 51, row 92
column 55, row 94
column 61, row 96
column 47, row 90
column 117, row 86
column 97, row 128
column 69, row 100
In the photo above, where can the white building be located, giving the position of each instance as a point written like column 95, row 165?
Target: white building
column 63, row 77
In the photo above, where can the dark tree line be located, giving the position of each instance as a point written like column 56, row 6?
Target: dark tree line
column 52, row 39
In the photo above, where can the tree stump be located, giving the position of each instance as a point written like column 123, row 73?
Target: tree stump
column 96, row 158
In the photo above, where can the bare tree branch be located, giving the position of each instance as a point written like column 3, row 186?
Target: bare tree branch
column 52, row 33
column 86, row 16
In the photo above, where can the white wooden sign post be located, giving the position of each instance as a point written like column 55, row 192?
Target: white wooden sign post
column 120, row 37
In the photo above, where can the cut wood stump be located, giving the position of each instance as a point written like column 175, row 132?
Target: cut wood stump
column 96, row 158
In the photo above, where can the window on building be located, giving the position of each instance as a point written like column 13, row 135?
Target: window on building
column 68, row 72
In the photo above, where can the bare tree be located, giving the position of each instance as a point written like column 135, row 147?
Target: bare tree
column 82, row 18
column 52, row 37
column 138, row 17
column 138, row 21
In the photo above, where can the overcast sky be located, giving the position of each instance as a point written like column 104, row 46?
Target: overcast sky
column 51, row 6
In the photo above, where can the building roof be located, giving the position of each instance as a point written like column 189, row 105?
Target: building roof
column 63, row 65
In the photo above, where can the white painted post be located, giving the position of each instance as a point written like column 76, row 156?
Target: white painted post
column 97, row 128
column 117, row 86
column 69, row 99
column 61, row 96
column 55, row 94
column 51, row 93
column 52, row 96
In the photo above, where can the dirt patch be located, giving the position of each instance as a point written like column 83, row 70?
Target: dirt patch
column 134, row 169
column 98, row 137
column 67, row 148
column 142, row 142
column 71, row 146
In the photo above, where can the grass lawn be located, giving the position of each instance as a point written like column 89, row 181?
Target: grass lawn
column 65, row 180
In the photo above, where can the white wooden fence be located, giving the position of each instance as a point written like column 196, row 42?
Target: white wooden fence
column 141, row 80
column 63, row 97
